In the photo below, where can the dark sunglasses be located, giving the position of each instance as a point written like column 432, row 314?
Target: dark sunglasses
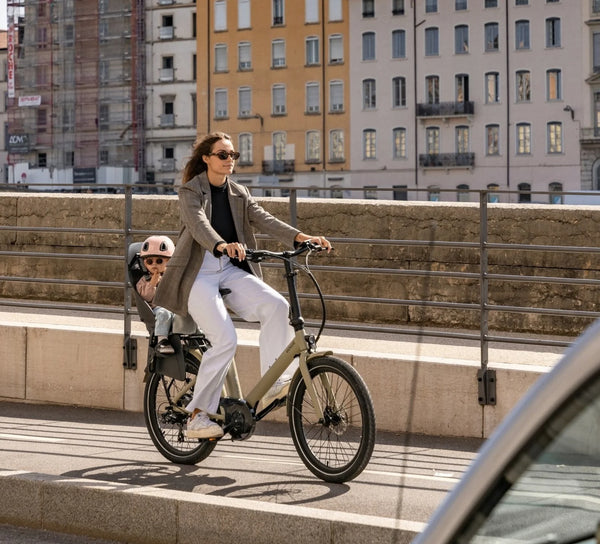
column 224, row 155
column 151, row 260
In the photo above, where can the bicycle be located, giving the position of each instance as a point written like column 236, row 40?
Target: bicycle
column 329, row 408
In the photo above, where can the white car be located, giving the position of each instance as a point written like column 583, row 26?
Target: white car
column 537, row 479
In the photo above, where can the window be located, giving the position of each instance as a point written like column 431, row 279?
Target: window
column 369, row 144
column 311, row 11
column 103, row 116
column 104, row 70
column 103, row 156
column 313, row 146
column 368, row 46
column 462, row 193
column 277, row 12
column 41, row 74
column 400, row 192
column 167, row 31
column 368, row 8
column 524, row 192
column 462, row 139
column 244, row 56
column 596, row 53
column 221, row 107
column 432, row 140
column 521, row 2
column 432, row 89
column 277, row 53
column 492, row 88
column 491, row 36
column 69, row 35
column 555, row 189
column 460, row 5
column 433, row 193
column 461, row 39
column 335, row 10
column 220, row 15
column 595, row 6
column 369, row 94
column 399, row 143
column 336, row 49
column 69, row 159
column 398, row 44
column 244, row 101
column 279, row 145
column 312, row 97
column 397, row 7
column 431, row 6
column 221, row 57
column 462, row 87
column 492, row 137
column 42, row 119
column 432, row 42
column 243, row 13
column 555, row 144
column 370, row 192
column 523, row 81
column 399, row 92
column 522, row 35
column 336, row 96
column 336, row 145
column 312, row 50
column 167, row 118
column 492, row 196
column 553, row 84
column 553, row 32
column 523, row 139
column 42, row 160
column 245, row 148
column 278, row 98
column 491, row 3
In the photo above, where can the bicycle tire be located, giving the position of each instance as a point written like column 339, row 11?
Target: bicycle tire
column 339, row 447
column 166, row 425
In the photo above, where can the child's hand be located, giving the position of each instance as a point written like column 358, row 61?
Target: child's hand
column 155, row 279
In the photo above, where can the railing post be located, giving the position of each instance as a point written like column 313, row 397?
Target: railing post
column 129, row 344
column 293, row 207
column 486, row 378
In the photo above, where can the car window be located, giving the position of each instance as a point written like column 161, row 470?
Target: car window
column 551, row 493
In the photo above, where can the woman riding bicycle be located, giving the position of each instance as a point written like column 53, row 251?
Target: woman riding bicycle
column 219, row 218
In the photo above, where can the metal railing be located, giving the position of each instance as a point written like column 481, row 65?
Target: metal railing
column 483, row 277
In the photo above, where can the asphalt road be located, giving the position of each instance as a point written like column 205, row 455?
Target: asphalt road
column 406, row 479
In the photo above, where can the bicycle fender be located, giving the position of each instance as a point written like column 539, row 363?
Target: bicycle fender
column 318, row 354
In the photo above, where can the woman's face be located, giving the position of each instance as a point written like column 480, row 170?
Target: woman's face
column 216, row 165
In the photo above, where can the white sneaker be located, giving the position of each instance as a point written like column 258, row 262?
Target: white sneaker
column 279, row 390
column 202, row 427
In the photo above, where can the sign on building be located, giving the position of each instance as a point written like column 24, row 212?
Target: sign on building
column 18, row 143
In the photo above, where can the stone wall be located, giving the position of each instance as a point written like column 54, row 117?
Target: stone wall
column 338, row 219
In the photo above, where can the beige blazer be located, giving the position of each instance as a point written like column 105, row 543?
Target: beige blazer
column 197, row 236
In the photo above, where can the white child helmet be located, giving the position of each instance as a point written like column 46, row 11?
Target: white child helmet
column 157, row 246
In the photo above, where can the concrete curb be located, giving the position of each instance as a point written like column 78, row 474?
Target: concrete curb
column 134, row 514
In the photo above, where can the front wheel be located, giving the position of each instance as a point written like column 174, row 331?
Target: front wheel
column 166, row 418
column 337, row 447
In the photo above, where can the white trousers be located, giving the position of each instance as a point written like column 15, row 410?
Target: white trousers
column 252, row 300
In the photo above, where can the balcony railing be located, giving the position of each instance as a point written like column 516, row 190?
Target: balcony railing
column 278, row 167
column 446, row 109
column 590, row 134
column 447, row 160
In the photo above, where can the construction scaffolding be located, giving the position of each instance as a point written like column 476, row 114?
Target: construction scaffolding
column 78, row 106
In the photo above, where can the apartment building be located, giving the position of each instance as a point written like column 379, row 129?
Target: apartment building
column 444, row 96
column 274, row 74
column 473, row 94
column 75, row 96
column 171, row 107
column 3, row 100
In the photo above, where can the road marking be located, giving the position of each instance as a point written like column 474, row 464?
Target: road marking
column 441, row 477
column 29, row 438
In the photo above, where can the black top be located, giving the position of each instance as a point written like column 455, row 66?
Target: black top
column 222, row 220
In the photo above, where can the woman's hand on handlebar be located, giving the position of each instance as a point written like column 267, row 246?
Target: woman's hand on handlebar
column 318, row 240
column 234, row 250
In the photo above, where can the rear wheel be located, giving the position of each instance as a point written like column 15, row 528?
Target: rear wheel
column 166, row 419
column 337, row 447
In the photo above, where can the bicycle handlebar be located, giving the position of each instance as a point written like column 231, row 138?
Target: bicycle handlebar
column 257, row 255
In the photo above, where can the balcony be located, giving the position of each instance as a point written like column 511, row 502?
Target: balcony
column 167, row 120
column 167, row 165
column 166, row 74
column 446, row 109
column 589, row 135
column 278, row 167
column 166, row 32
column 447, row 160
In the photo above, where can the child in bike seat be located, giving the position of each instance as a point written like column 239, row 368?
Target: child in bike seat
column 155, row 253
